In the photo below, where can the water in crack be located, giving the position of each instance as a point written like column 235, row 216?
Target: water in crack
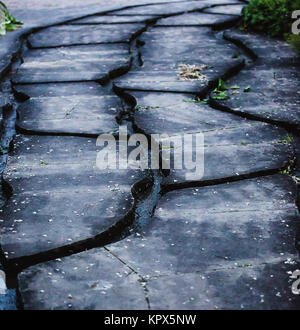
column 146, row 207
column 8, row 297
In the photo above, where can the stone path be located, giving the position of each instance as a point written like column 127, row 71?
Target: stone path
column 82, row 238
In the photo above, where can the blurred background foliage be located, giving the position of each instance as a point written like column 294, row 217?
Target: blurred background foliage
column 273, row 17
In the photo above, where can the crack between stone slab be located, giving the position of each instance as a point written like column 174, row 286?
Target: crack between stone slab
column 217, row 269
column 143, row 280
column 18, row 264
column 116, row 232
column 166, row 188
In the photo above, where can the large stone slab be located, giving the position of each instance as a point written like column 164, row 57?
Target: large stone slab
column 268, row 50
column 225, row 246
column 171, row 7
column 227, row 153
column 177, row 113
column 229, row 246
column 110, row 19
column 59, row 195
column 163, row 56
column 261, row 287
column 165, row 44
column 82, row 108
column 163, row 9
column 226, row 10
column 274, row 81
column 233, row 146
column 93, row 280
column 197, row 19
column 79, row 63
column 67, row 35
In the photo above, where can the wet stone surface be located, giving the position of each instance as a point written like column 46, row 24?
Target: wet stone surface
column 89, row 280
column 70, row 108
column 226, row 10
column 109, row 19
column 162, row 56
column 224, row 240
column 200, row 19
column 67, row 35
column 232, row 145
column 277, row 99
column 79, row 63
column 60, row 196
column 228, row 246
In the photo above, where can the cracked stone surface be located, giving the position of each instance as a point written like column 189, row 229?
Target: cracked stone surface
column 276, row 100
column 49, row 178
column 162, row 55
column 84, row 238
column 109, row 19
column 236, row 236
column 170, row 8
column 67, row 35
column 82, row 108
column 199, row 19
column 205, row 248
column 89, row 280
column 233, row 146
column 81, row 63
column 226, row 10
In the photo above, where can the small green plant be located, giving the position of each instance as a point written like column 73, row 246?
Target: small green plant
column 7, row 21
column 244, row 265
column 247, row 89
column 42, row 162
column 288, row 139
column 196, row 100
column 220, row 91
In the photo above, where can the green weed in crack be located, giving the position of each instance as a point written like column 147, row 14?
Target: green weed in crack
column 7, row 21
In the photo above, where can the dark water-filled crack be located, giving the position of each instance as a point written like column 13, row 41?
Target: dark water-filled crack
column 146, row 192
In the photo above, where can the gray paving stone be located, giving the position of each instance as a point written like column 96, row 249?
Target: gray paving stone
column 216, row 253
column 266, row 48
column 67, row 35
column 90, row 280
column 162, row 9
column 226, row 10
column 261, row 287
column 233, row 146
column 274, row 81
column 170, row 8
column 83, row 108
column 161, row 65
column 225, row 246
column 79, row 63
column 196, row 19
column 222, row 246
column 109, row 19
column 60, row 196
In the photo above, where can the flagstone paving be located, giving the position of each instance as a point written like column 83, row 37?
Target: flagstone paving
column 81, row 237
